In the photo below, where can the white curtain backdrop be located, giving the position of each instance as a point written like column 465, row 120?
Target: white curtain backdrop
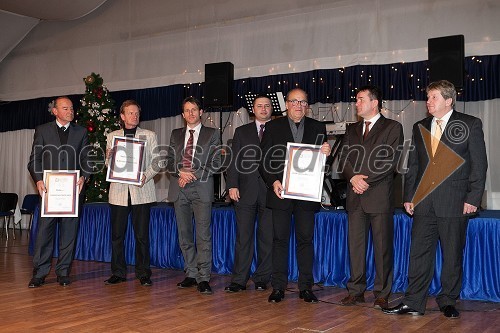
column 151, row 43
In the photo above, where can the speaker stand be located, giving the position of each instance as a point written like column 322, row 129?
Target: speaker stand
column 220, row 192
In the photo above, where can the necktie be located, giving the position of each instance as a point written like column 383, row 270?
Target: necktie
column 367, row 129
column 437, row 136
column 62, row 128
column 188, row 152
column 261, row 131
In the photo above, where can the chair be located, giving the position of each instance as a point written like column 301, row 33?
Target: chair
column 30, row 202
column 8, row 203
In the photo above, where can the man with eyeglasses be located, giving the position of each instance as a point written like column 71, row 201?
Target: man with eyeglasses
column 295, row 127
column 192, row 159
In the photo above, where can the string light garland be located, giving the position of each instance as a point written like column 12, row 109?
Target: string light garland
column 396, row 112
column 332, row 91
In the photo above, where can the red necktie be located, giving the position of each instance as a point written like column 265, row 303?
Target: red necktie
column 261, row 131
column 187, row 158
column 367, row 129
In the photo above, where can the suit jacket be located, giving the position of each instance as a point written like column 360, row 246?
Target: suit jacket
column 243, row 172
column 48, row 154
column 375, row 157
column 118, row 192
column 206, row 162
column 273, row 145
column 464, row 136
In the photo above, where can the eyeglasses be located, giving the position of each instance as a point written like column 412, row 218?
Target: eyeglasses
column 296, row 102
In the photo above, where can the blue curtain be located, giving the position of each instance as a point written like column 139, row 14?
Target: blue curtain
column 400, row 81
column 481, row 278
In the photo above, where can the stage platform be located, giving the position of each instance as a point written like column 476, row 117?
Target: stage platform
column 481, row 279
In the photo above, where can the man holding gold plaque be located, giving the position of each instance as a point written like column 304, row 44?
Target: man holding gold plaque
column 58, row 145
column 294, row 128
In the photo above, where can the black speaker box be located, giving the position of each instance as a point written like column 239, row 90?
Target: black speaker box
column 218, row 84
column 446, row 59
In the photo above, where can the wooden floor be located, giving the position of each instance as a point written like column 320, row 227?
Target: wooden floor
column 88, row 305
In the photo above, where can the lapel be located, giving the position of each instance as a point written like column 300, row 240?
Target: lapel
column 287, row 131
column 428, row 123
column 71, row 135
column 180, row 146
column 252, row 135
column 203, row 138
column 379, row 125
column 427, row 142
column 54, row 129
column 359, row 130
column 138, row 133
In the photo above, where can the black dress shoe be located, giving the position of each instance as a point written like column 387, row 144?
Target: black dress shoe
column 204, row 288
column 187, row 283
column 276, row 296
column 234, row 288
column 64, row 280
column 146, row 281
column 402, row 309
column 36, row 282
column 308, row 296
column 114, row 280
column 260, row 286
column 449, row 311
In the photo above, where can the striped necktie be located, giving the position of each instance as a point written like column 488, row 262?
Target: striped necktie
column 437, row 136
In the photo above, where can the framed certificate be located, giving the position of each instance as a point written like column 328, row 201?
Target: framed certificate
column 61, row 198
column 304, row 172
column 126, row 162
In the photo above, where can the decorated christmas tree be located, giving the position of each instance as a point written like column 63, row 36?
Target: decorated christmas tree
column 97, row 114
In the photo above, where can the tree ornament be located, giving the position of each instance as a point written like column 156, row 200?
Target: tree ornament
column 89, row 79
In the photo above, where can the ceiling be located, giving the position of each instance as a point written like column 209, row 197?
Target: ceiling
column 19, row 17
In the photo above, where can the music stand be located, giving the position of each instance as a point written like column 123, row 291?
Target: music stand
column 277, row 101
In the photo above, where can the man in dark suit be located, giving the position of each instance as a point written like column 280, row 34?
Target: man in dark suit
column 295, row 127
column 368, row 159
column 248, row 191
column 192, row 159
column 443, row 187
column 58, row 145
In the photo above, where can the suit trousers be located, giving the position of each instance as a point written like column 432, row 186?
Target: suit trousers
column 140, row 223
column 44, row 245
column 382, row 226
column 245, row 240
column 197, row 259
column 426, row 231
column 304, row 233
